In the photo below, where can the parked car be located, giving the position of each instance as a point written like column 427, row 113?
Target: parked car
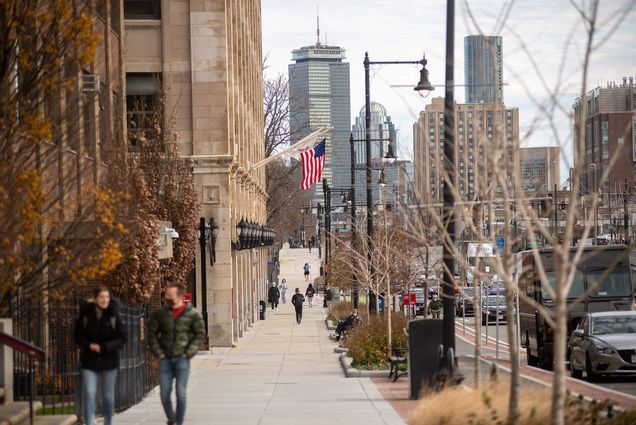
column 603, row 343
column 464, row 302
column 491, row 307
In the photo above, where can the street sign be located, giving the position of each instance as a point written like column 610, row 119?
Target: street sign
column 501, row 243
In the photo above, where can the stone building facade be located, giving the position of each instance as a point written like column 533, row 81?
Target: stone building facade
column 207, row 55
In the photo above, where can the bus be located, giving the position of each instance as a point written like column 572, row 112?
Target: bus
column 613, row 293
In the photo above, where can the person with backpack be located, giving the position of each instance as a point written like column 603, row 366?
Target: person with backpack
column 283, row 291
column 175, row 332
column 298, row 300
column 309, row 293
column 273, row 295
column 306, row 269
column 100, row 334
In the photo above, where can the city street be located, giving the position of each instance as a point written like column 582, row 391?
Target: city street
column 465, row 331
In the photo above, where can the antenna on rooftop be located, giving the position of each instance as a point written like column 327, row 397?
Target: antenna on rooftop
column 317, row 24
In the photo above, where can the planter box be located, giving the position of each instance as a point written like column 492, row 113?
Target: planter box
column 352, row 372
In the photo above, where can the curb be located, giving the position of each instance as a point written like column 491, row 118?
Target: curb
column 352, row 372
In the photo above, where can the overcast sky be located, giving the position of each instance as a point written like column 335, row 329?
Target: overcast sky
column 547, row 32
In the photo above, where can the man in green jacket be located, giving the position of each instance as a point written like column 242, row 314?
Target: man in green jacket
column 175, row 332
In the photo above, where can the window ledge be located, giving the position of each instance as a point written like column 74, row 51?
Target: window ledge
column 142, row 22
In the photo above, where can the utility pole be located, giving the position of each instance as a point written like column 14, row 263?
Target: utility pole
column 555, row 207
column 367, row 125
column 318, row 238
column 626, row 213
column 356, row 289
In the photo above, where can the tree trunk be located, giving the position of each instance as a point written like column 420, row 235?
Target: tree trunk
column 558, row 387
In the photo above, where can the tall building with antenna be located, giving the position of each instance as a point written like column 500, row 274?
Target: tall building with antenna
column 319, row 96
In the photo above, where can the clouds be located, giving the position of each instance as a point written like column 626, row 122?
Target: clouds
column 402, row 29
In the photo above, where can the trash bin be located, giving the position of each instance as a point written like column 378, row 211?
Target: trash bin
column 262, row 306
column 425, row 337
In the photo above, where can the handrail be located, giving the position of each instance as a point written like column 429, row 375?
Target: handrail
column 22, row 346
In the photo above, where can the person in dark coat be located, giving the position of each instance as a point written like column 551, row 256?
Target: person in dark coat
column 273, row 295
column 372, row 302
column 298, row 300
column 100, row 334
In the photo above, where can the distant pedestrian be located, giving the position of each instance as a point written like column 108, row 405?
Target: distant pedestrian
column 100, row 334
column 306, row 270
column 310, row 243
column 283, row 290
column 273, row 296
column 309, row 293
column 326, row 303
column 298, row 300
column 343, row 296
column 372, row 302
column 435, row 307
column 175, row 332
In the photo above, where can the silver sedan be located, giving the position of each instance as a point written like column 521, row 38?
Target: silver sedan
column 604, row 343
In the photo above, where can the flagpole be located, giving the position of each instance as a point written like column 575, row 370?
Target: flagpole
column 295, row 147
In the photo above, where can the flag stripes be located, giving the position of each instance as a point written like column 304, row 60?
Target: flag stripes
column 313, row 162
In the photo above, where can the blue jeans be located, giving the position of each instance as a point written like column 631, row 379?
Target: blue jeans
column 174, row 369
column 89, row 381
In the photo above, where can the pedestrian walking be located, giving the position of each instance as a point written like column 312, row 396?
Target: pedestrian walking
column 175, row 332
column 306, row 269
column 273, row 296
column 309, row 293
column 283, row 290
column 100, row 334
column 298, row 300
column 435, row 307
column 343, row 296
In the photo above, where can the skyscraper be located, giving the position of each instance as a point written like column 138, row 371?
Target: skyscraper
column 319, row 96
column 539, row 167
column 479, row 128
column 483, row 68
column 382, row 130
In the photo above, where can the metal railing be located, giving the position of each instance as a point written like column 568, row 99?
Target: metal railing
column 32, row 353
column 56, row 379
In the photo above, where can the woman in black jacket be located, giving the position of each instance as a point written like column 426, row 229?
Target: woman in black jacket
column 100, row 334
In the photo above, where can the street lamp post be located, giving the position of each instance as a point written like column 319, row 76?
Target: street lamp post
column 449, row 362
column 422, row 86
column 356, row 289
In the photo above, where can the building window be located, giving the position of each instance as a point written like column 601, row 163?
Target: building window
column 142, row 105
column 142, row 9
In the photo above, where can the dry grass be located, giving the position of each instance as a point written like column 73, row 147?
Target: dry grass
column 459, row 406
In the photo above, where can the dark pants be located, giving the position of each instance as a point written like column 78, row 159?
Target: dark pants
column 174, row 369
column 299, row 313
column 274, row 303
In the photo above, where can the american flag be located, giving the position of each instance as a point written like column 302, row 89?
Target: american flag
column 313, row 161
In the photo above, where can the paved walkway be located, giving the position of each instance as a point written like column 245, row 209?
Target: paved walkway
column 280, row 373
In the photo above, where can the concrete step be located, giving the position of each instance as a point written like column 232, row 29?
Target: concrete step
column 54, row 420
column 17, row 412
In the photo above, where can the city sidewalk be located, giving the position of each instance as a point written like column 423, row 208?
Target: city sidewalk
column 280, row 373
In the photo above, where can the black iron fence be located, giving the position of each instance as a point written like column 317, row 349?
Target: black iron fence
column 49, row 324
